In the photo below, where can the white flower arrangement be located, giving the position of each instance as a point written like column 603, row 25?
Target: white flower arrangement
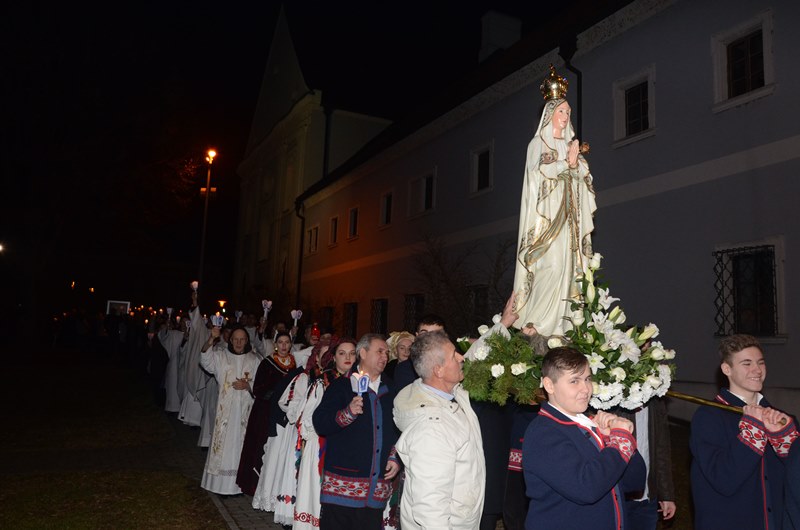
column 628, row 367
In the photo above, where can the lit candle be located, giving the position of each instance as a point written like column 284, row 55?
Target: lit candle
column 359, row 382
column 296, row 315
column 267, row 305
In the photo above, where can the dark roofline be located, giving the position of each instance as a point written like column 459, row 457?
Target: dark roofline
column 580, row 17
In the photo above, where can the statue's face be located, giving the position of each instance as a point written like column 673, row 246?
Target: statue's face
column 561, row 118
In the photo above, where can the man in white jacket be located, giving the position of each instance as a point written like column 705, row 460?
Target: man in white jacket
column 440, row 443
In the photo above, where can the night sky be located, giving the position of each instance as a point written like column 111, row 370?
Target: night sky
column 108, row 111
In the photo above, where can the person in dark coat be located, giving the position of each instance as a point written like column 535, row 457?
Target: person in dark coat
column 360, row 458
column 577, row 469
column 738, row 469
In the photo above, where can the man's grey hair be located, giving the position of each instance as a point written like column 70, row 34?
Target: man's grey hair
column 427, row 352
column 365, row 341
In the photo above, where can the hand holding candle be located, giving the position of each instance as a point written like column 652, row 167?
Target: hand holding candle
column 267, row 305
column 357, row 405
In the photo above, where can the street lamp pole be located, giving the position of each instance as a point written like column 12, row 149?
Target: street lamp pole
column 210, row 159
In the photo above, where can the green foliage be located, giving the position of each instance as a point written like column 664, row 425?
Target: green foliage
column 510, row 354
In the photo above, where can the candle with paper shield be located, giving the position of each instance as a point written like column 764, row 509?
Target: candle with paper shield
column 238, row 315
column 169, row 312
column 267, row 305
column 217, row 320
column 194, row 285
column 359, row 382
column 296, row 315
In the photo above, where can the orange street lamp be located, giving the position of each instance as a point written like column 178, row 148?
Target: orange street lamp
column 210, row 159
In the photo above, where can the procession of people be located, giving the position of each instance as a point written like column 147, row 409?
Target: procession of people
column 378, row 432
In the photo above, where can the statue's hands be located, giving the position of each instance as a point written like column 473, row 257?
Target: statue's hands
column 572, row 153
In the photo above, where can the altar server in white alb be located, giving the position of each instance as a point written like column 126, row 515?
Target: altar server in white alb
column 234, row 370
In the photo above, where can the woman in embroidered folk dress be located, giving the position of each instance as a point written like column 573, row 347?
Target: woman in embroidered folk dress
column 279, row 488
column 233, row 369
column 270, row 372
column 307, row 506
column 555, row 222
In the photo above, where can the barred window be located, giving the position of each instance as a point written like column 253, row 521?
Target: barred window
column 414, row 309
column 380, row 316
column 351, row 319
column 746, row 299
column 479, row 303
column 325, row 317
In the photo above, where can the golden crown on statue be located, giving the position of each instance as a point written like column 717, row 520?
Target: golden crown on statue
column 554, row 86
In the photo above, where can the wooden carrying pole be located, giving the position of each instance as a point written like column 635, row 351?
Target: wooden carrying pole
column 701, row 401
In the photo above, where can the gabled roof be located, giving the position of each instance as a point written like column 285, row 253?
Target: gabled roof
column 282, row 87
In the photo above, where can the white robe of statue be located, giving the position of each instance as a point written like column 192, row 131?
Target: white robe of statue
column 555, row 227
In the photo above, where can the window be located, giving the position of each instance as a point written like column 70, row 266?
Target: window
column 350, row 319
column 421, row 194
column 379, row 322
column 352, row 230
column 333, row 236
column 325, row 317
column 413, row 309
column 636, row 119
column 386, row 209
column 312, row 239
column 743, row 62
column 747, row 297
column 479, row 302
column 634, row 107
column 482, row 178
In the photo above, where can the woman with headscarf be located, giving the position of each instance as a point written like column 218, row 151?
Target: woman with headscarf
column 260, row 426
column 555, row 222
column 338, row 361
column 233, row 369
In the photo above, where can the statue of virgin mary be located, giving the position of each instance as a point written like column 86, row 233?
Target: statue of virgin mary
column 555, row 221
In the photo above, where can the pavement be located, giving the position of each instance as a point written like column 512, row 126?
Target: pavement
column 126, row 390
column 237, row 510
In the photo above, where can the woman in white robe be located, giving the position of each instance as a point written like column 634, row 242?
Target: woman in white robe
column 555, row 223
column 234, row 370
column 307, row 505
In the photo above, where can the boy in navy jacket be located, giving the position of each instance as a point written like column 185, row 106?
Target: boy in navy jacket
column 577, row 469
column 738, row 466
